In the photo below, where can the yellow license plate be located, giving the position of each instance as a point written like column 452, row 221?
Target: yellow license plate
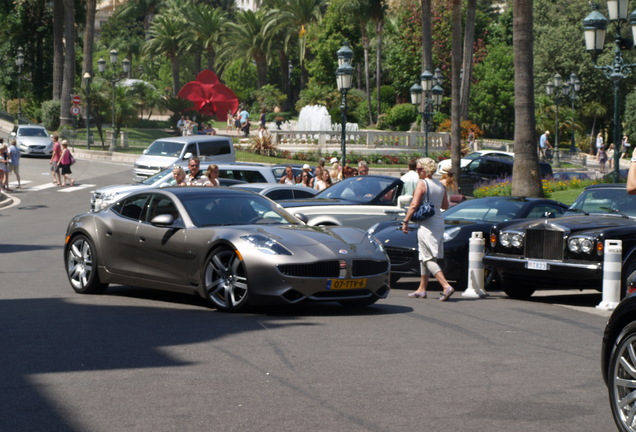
column 346, row 283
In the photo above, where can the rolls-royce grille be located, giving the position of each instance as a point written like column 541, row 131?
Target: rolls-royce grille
column 324, row 269
column 400, row 256
column 367, row 268
column 543, row 244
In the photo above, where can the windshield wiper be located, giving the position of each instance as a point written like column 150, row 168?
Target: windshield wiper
column 613, row 210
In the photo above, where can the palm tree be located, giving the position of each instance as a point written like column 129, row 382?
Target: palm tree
column 68, row 82
column 91, row 8
column 469, row 39
column 456, row 48
column 167, row 35
column 146, row 10
column 58, row 48
column 207, row 26
column 526, row 178
column 593, row 110
column 250, row 37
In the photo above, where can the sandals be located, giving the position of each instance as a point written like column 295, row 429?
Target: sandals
column 417, row 295
column 447, row 293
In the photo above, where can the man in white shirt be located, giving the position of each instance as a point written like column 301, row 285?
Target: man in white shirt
column 410, row 178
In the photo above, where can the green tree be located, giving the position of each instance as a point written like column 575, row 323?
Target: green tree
column 206, row 28
column 167, row 35
column 249, row 38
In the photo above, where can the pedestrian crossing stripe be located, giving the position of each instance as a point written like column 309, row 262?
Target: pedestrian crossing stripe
column 44, row 186
column 75, row 187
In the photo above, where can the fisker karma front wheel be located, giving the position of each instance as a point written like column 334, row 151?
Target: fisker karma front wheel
column 81, row 266
column 225, row 280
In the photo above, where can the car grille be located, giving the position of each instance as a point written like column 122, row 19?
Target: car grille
column 543, row 244
column 362, row 268
column 323, row 269
column 400, row 256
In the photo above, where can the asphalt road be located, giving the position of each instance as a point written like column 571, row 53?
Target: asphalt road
column 139, row 360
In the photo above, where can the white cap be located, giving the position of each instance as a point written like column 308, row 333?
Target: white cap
column 306, row 167
column 333, row 160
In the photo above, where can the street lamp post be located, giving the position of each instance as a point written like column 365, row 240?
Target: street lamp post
column 87, row 114
column 557, row 91
column 575, row 87
column 344, row 77
column 114, row 78
column 431, row 87
column 594, row 27
column 19, row 61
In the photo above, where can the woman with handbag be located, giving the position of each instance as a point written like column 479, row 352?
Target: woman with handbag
column 429, row 200
column 66, row 160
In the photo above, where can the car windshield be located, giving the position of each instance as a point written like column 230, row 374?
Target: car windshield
column 362, row 189
column 608, row 200
column 472, row 155
column 165, row 148
column 32, row 132
column 220, row 210
column 165, row 175
column 484, row 210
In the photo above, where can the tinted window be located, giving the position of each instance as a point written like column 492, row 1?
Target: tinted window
column 301, row 193
column 158, row 205
column 245, row 175
column 279, row 194
column 214, row 148
column 131, row 207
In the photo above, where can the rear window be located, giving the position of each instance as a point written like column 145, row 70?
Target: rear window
column 249, row 176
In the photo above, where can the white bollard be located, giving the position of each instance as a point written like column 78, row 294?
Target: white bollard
column 611, row 275
column 475, row 288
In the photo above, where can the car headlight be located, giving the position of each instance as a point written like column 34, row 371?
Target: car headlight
column 511, row 239
column 266, row 245
column 110, row 196
column 377, row 244
column 580, row 245
column 451, row 233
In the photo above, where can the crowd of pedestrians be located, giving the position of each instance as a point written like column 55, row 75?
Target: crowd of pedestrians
column 322, row 177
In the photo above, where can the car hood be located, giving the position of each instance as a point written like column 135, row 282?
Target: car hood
column 118, row 189
column 306, row 236
column 33, row 140
column 156, row 161
column 316, row 202
column 577, row 223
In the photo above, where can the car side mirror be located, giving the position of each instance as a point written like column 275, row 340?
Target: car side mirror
column 187, row 156
column 162, row 220
column 145, row 151
column 304, row 219
column 549, row 215
column 13, row 134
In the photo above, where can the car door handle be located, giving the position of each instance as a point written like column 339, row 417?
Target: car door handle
column 142, row 239
column 109, row 233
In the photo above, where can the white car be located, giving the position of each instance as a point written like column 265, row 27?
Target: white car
column 446, row 163
column 359, row 202
column 33, row 140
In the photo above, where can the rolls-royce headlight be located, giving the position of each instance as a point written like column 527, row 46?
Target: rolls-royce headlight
column 266, row 245
column 508, row 239
column 580, row 245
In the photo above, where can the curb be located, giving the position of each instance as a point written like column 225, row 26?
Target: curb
column 5, row 200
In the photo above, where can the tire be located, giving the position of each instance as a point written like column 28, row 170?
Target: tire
column 225, row 281
column 620, row 379
column 516, row 290
column 626, row 272
column 359, row 303
column 81, row 266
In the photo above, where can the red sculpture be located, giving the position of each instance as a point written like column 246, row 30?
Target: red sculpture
column 209, row 96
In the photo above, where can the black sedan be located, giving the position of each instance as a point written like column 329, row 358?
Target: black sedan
column 567, row 252
column 460, row 222
column 233, row 248
column 618, row 361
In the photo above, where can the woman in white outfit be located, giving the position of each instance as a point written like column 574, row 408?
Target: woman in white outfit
column 430, row 232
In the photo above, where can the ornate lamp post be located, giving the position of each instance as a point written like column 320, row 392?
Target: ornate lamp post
column 575, row 87
column 19, row 61
column 557, row 91
column 87, row 114
column 594, row 27
column 114, row 78
column 432, row 98
column 344, row 77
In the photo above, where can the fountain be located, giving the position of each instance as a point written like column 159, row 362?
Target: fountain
column 314, row 118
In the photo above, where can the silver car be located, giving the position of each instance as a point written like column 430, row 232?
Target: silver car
column 234, row 248
column 33, row 140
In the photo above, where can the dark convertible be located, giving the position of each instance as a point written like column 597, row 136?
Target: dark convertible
column 567, row 252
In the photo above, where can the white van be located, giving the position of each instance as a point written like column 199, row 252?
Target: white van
column 165, row 152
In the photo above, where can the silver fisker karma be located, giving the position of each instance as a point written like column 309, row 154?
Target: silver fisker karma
column 233, row 248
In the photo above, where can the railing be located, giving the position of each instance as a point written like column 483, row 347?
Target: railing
column 361, row 139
